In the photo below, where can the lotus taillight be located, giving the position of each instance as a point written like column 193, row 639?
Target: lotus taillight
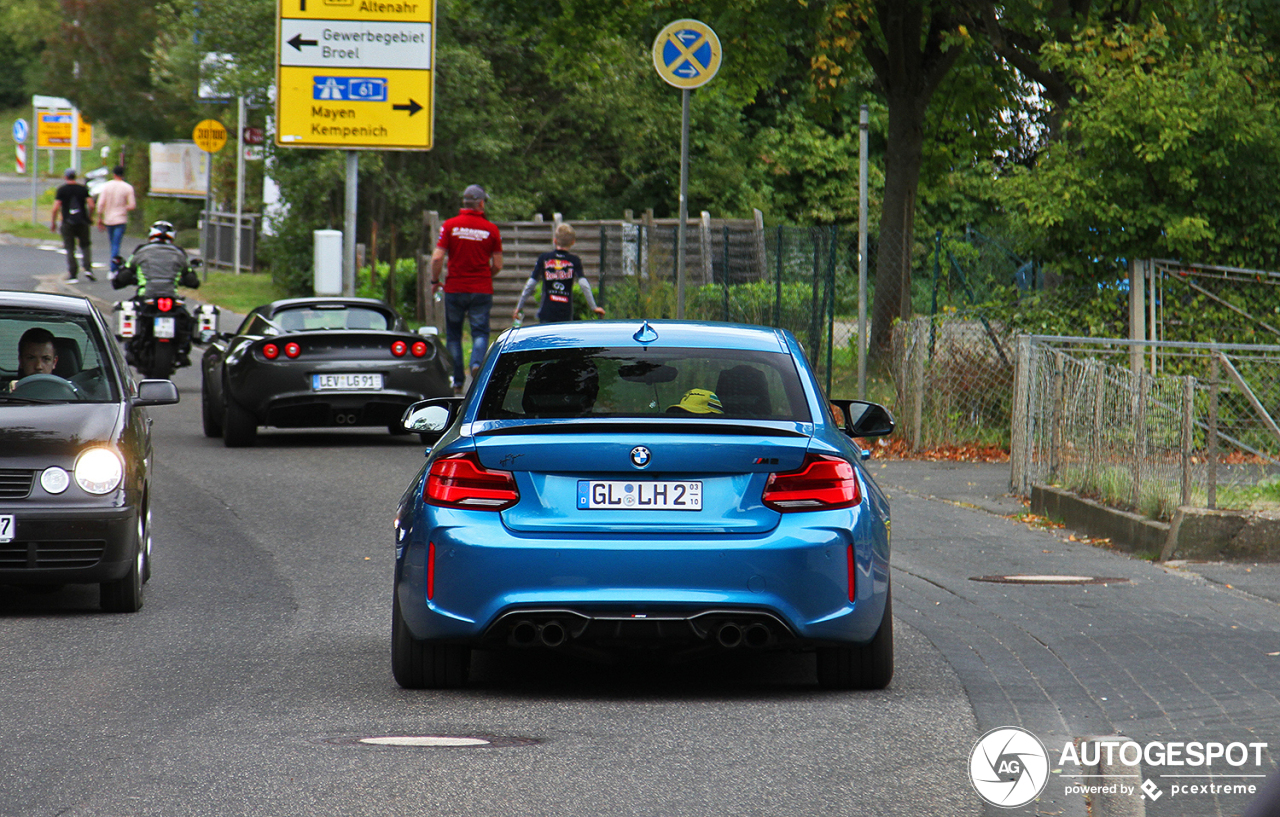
column 271, row 351
column 399, row 348
column 419, row 349
column 292, row 350
column 821, row 483
column 460, row 481
column 164, row 304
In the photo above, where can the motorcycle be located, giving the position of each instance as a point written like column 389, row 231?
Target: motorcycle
column 157, row 332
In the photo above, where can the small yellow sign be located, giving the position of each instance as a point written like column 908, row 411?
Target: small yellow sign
column 209, row 136
column 686, row 53
column 53, row 130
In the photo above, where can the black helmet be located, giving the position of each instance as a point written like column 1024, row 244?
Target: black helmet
column 161, row 231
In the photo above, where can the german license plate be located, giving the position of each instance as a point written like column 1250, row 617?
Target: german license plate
column 345, row 382
column 164, row 327
column 639, row 495
column 7, row 528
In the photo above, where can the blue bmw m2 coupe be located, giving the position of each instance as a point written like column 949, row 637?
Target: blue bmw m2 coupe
column 668, row 487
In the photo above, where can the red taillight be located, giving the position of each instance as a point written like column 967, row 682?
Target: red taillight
column 164, row 304
column 431, row 570
column 821, row 483
column 419, row 349
column 271, row 351
column 460, row 481
column 292, row 349
column 399, row 348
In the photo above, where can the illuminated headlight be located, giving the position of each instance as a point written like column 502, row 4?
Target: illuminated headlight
column 55, row 480
column 99, row 470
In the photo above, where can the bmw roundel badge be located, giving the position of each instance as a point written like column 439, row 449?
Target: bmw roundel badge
column 640, row 456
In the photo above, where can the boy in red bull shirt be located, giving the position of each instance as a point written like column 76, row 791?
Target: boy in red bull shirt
column 557, row 270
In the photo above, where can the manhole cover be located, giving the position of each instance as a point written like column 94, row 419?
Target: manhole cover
column 1049, row 579
column 435, row 741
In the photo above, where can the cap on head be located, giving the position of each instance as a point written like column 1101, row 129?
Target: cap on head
column 69, row 173
column 474, row 193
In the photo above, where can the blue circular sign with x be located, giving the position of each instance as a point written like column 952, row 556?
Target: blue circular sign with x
column 686, row 53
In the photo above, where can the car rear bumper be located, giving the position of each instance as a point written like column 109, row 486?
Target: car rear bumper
column 55, row 546
column 487, row 583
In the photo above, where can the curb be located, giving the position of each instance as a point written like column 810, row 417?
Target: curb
column 1194, row 534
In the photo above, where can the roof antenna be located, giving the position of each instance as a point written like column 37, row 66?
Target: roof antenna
column 646, row 333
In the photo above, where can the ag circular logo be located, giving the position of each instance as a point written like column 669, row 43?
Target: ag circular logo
column 640, row 456
column 1009, row 767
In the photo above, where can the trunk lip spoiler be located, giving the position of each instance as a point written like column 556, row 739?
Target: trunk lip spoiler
column 697, row 428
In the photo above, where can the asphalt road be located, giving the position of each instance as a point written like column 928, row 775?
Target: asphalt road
column 262, row 657
column 13, row 187
column 263, row 652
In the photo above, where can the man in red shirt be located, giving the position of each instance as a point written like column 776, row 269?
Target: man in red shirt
column 474, row 248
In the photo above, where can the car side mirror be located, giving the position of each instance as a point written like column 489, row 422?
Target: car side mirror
column 156, row 393
column 431, row 417
column 861, row 418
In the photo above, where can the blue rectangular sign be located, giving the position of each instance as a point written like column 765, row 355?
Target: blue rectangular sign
column 350, row 89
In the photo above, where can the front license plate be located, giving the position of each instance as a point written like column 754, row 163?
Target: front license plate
column 345, row 382
column 164, row 327
column 620, row 495
column 8, row 528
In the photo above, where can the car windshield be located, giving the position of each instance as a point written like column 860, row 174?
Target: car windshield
column 683, row 383
column 309, row 318
column 69, row 343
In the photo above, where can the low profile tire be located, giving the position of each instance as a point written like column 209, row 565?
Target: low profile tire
column 212, row 423
column 418, row 664
column 869, row 666
column 239, row 429
column 124, row 595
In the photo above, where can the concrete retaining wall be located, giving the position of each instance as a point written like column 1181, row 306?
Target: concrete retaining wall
column 1196, row 533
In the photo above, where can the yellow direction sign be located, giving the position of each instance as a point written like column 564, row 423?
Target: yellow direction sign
column 686, row 54
column 355, row 74
column 209, row 136
column 53, row 130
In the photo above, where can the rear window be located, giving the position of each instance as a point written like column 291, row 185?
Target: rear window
column 306, row 319
column 684, row 383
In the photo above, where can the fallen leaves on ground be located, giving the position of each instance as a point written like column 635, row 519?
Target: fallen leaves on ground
column 900, row 449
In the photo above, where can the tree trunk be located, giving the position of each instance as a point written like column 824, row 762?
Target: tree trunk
column 903, row 155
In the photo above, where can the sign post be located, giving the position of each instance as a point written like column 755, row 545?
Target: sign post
column 686, row 54
column 355, row 76
column 210, row 136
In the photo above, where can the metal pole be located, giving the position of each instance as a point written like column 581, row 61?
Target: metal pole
column 684, row 202
column 35, row 161
column 75, row 139
column 240, row 113
column 864, row 119
column 349, row 226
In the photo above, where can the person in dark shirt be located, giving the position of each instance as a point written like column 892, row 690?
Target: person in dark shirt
column 557, row 270
column 76, row 206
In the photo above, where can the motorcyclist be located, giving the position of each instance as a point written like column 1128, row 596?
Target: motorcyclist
column 158, row 267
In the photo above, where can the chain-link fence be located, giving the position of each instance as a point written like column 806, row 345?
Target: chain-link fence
column 804, row 279
column 1089, row 416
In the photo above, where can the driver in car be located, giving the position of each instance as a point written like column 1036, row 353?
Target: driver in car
column 36, row 354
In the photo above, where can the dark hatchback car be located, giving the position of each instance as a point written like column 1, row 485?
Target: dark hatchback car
column 75, row 453
column 318, row 362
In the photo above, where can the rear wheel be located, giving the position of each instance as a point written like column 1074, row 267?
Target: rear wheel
column 418, row 664
column 867, row 666
column 239, row 429
column 124, row 595
column 212, row 423
column 161, row 360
